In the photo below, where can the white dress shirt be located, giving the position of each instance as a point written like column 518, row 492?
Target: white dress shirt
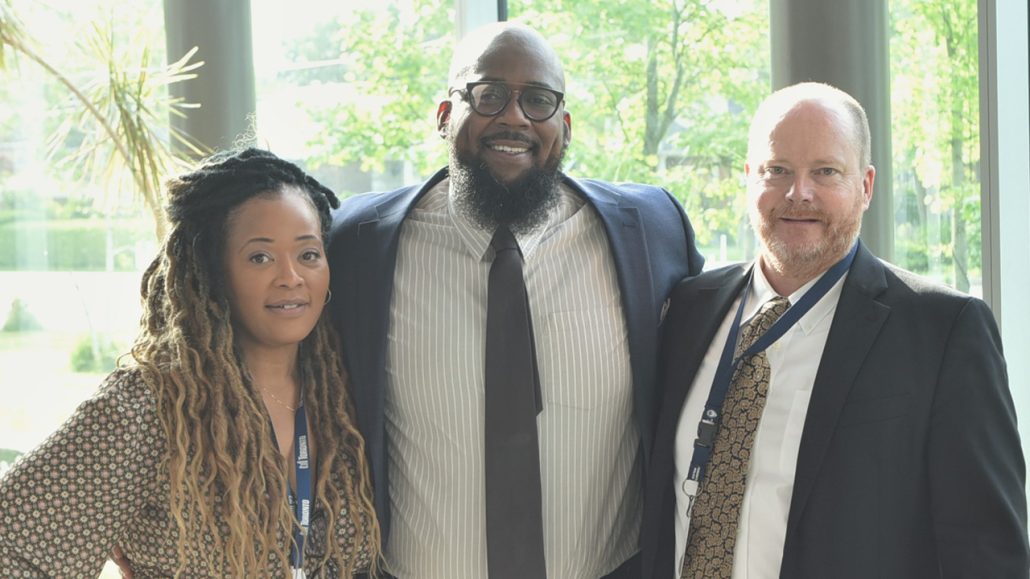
column 793, row 362
column 589, row 443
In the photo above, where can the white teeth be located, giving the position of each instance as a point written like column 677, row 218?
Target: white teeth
column 506, row 149
column 287, row 306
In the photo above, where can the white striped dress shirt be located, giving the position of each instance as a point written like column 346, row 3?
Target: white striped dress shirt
column 589, row 442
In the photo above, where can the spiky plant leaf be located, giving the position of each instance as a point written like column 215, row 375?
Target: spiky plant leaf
column 123, row 115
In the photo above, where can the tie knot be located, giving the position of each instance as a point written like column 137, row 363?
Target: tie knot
column 763, row 320
column 772, row 310
column 503, row 240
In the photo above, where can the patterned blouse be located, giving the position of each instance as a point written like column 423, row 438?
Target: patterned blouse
column 95, row 483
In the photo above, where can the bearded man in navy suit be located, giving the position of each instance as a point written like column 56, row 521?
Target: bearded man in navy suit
column 410, row 270
column 869, row 432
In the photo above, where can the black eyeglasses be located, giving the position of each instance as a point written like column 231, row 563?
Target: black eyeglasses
column 490, row 98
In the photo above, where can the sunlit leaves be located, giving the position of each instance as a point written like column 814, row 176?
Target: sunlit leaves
column 662, row 92
column 935, row 123
column 659, row 92
column 115, row 129
column 396, row 73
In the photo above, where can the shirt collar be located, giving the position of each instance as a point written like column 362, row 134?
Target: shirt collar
column 762, row 291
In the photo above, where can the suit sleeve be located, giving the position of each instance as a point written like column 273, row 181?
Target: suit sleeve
column 977, row 472
column 695, row 261
column 65, row 504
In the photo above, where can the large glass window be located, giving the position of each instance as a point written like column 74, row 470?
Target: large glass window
column 936, row 140
column 72, row 242
column 74, row 236
column 351, row 91
column 660, row 91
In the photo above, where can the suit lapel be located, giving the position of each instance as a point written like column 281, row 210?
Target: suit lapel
column 856, row 324
column 377, row 241
column 625, row 233
column 688, row 336
column 699, row 309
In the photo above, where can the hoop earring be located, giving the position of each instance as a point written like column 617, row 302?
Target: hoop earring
column 328, row 296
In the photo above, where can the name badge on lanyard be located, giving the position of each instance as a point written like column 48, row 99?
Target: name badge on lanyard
column 711, row 417
column 300, row 502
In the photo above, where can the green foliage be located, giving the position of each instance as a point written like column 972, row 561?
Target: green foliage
column 7, row 455
column 20, row 319
column 24, row 204
column 95, row 354
column 8, row 121
column 112, row 125
column 659, row 92
column 935, row 121
column 7, row 458
column 398, row 67
column 662, row 92
column 317, row 49
column 70, row 245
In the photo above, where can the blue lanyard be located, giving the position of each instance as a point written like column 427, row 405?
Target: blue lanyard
column 708, row 427
column 301, row 502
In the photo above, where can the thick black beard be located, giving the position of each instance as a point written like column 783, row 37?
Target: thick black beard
column 521, row 206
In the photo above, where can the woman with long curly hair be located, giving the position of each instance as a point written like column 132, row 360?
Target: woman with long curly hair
column 227, row 448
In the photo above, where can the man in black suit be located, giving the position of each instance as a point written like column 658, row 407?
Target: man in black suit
column 869, row 432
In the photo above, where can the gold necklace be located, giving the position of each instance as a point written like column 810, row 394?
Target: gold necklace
column 279, row 402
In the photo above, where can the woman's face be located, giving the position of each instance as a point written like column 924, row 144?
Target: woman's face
column 276, row 270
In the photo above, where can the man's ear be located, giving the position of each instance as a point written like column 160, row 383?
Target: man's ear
column 867, row 184
column 443, row 118
column 567, row 120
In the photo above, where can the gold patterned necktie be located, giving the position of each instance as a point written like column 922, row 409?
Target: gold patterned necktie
column 716, row 511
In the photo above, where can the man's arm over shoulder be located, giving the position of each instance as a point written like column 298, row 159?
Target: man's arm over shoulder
column 671, row 243
column 352, row 212
column 366, row 207
column 669, row 228
column 695, row 260
column 342, row 246
column 977, row 471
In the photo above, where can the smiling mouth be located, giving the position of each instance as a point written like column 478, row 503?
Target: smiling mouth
column 286, row 307
column 509, row 150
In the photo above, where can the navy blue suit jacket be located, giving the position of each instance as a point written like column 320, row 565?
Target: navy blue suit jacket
column 651, row 241
column 910, row 464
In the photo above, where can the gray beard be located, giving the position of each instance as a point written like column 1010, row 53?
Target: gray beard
column 521, row 206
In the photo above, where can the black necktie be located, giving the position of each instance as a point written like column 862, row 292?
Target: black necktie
column 514, row 521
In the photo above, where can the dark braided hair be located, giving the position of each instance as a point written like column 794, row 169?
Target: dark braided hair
column 237, row 177
column 228, row 482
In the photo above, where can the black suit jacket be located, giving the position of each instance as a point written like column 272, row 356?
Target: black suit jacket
column 652, row 245
column 910, row 463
